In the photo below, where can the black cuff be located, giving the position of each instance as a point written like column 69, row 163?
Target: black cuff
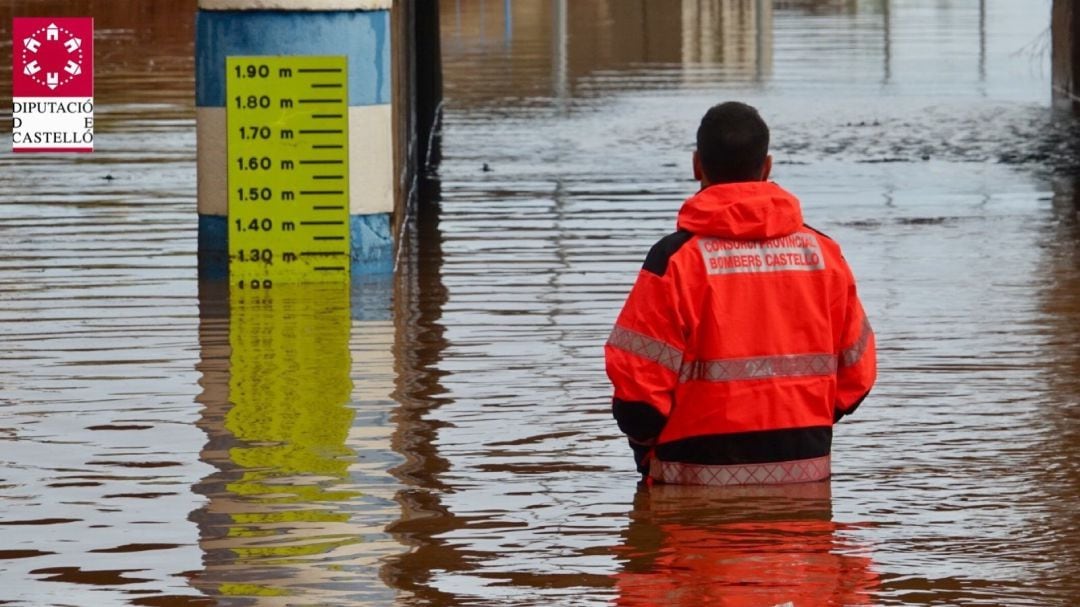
column 640, row 421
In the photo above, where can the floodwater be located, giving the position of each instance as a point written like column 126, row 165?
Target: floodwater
column 444, row 438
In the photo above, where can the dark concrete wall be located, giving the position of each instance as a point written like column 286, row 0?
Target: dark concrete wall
column 1065, row 27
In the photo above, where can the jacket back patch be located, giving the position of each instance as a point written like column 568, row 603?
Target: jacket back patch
column 797, row 252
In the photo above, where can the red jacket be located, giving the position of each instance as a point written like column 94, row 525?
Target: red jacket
column 741, row 343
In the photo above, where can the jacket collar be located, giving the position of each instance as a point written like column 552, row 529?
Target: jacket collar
column 751, row 210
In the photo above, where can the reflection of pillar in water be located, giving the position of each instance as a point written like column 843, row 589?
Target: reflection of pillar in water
column 1059, row 358
column 276, row 379
column 763, row 30
column 736, row 34
column 419, row 297
column 982, row 40
column 690, row 41
column 560, row 54
column 508, row 23
column 457, row 19
column 1061, row 304
column 1062, row 298
column 886, row 30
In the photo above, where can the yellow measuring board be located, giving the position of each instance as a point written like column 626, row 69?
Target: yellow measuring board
column 288, row 155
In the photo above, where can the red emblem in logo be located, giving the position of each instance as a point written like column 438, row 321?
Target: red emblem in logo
column 53, row 57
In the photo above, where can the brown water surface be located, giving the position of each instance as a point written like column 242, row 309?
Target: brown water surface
column 164, row 444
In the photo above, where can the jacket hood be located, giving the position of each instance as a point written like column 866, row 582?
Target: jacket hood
column 752, row 210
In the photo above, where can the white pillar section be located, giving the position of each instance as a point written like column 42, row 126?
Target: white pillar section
column 371, row 154
column 295, row 5
column 371, row 159
column 212, row 160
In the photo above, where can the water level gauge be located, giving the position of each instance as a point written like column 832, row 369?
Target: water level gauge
column 288, row 171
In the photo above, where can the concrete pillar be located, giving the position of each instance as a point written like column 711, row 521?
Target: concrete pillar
column 417, row 69
column 358, row 29
column 1065, row 25
column 735, row 33
column 429, row 84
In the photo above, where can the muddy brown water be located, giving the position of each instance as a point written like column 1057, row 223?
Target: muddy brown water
column 444, row 438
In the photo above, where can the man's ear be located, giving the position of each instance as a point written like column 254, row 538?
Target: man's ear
column 766, row 168
column 698, row 173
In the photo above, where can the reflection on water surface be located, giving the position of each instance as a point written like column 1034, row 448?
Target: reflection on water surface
column 744, row 546
column 278, row 436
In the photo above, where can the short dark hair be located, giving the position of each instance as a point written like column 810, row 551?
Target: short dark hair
column 732, row 143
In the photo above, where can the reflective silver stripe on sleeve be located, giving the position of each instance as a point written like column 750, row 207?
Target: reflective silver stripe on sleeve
column 851, row 355
column 646, row 347
column 797, row 471
column 762, row 367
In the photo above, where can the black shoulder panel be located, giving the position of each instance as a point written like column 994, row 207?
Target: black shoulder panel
column 812, row 228
column 657, row 260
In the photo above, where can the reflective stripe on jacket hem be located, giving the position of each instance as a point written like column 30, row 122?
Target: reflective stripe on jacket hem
column 761, row 367
column 796, row 471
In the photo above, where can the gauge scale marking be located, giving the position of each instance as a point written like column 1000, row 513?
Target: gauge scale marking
column 288, row 173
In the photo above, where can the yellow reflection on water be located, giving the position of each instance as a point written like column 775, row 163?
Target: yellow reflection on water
column 289, row 387
column 279, row 440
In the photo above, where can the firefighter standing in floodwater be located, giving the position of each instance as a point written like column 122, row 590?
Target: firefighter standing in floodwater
column 743, row 340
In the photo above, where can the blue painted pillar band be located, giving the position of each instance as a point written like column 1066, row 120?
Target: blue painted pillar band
column 358, row 29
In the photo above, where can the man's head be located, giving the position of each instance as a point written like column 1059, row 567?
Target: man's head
column 732, row 145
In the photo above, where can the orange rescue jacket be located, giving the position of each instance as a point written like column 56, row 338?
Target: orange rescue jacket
column 740, row 345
